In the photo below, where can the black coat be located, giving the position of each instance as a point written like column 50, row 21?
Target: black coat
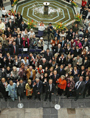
column 54, row 78
column 17, row 41
column 12, row 50
column 81, row 88
column 47, row 88
column 62, row 72
column 20, row 89
column 48, row 57
column 11, row 26
column 23, row 27
column 39, row 88
column 2, row 90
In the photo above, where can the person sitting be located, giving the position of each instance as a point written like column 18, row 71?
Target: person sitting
column 2, row 27
column 41, row 28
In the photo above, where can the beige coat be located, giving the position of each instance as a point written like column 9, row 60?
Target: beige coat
column 28, row 92
column 28, row 73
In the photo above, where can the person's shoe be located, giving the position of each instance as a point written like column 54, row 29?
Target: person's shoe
column 87, row 95
column 49, row 100
column 39, row 99
column 5, row 99
column 35, row 98
column 75, row 99
column 45, row 99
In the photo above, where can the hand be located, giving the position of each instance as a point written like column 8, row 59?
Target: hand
column 69, row 89
column 52, row 93
column 38, row 93
column 17, row 83
column 79, row 93
column 34, row 83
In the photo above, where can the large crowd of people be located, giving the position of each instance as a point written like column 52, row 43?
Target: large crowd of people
column 64, row 69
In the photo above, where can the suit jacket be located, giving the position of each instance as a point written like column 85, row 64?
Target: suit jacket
column 77, row 52
column 60, row 72
column 47, row 87
column 20, row 89
column 81, row 88
column 11, row 26
column 17, row 41
column 38, row 88
column 23, row 27
column 2, row 89
column 28, row 74
column 60, row 51
column 55, row 78
column 12, row 50
column 87, row 85
column 48, row 57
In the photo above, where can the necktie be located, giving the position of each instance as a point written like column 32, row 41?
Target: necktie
column 78, row 85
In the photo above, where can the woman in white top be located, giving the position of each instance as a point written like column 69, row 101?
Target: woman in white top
column 31, row 34
column 25, row 61
column 24, row 33
column 4, row 12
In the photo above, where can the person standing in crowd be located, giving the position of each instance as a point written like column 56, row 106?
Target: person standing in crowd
column 37, row 88
column 30, row 73
column 3, row 86
column 12, row 90
column 29, row 89
column 61, row 85
column 79, row 87
column 49, row 89
column 20, row 89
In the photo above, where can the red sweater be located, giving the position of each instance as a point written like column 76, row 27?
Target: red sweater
column 84, row 3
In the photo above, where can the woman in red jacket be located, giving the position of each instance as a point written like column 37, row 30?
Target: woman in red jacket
column 26, row 42
column 61, row 84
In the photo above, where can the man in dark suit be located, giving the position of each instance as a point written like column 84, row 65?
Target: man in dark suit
column 55, row 76
column 3, row 84
column 47, row 54
column 10, row 24
column 77, row 51
column 14, row 49
column 18, row 19
column 61, row 71
column 19, row 41
column 69, row 34
column 79, row 86
column 37, row 88
column 23, row 26
column 87, row 87
column 59, row 49
column 49, row 89
column 20, row 88
column 61, row 59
